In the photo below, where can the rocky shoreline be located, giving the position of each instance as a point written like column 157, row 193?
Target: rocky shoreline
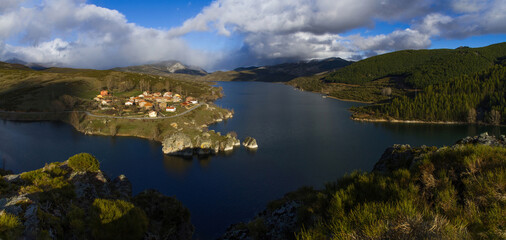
column 405, row 121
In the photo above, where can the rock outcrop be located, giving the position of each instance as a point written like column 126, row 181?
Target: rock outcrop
column 205, row 143
column 280, row 224
column 399, row 156
column 484, row 139
column 178, row 144
column 61, row 201
column 250, row 143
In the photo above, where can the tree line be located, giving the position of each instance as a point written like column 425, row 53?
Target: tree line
column 467, row 98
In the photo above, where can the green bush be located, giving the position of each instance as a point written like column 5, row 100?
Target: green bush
column 10, row 226
column 117, row 219
column 84, row 162
column 449, row 193
column 167, row 213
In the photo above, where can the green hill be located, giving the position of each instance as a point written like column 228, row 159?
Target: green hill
column 24, row 89
column 421, row 68
column 479, row 97
column 278, row 73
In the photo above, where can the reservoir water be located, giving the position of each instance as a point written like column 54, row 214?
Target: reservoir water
column 304, row 140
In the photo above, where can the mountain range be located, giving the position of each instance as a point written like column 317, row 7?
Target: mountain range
column 164, row 68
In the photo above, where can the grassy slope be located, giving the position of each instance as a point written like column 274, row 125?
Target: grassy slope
column 25, row 89
column 420, row 68
column 429, row 193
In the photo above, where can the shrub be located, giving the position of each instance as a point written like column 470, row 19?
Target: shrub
column 10, row 226
column 168, row 214
column 117, row 219
column 84, row 162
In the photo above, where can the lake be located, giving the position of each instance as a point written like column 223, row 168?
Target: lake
column 304, row 140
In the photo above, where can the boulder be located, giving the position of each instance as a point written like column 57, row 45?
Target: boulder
column 177, row 144
column 250, row 143
column 205, row 148
column 484, row 139
column 229, row 144
column 122, row 187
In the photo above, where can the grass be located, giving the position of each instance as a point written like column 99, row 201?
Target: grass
column 10, row 226
column 117, row 219
column 370, row 92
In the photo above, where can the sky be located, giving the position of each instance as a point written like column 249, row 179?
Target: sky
column 225, row 34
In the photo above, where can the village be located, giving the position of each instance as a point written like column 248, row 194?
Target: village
column 153, row 104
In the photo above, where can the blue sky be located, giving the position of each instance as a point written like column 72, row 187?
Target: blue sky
column 224, row 34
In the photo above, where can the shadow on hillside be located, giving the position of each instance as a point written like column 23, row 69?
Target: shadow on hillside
column 32, row 94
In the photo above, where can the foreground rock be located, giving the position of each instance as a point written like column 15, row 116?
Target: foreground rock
column 75, row 200
column 485, row 139
column 250, row 143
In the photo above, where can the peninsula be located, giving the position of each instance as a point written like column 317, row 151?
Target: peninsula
column 174, row 112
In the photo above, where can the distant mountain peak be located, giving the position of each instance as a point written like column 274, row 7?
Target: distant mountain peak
column 32, row 65
column 164, row 68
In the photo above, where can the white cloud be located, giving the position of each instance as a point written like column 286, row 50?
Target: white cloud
column 315, row 16
column 278, row 29
column 84, row 35
column 6, row 5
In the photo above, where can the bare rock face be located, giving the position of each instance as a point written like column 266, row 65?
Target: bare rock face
column 484, row 139
column 121, row 187
column 250, row 143
column 178, row 144
column 280, row 224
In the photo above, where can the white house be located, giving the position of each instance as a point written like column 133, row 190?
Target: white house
column 194, row 102
column 129, row 103
column 170, row 109
column 152, row 114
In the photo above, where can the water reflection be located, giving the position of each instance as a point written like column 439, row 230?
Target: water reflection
column 177, row 165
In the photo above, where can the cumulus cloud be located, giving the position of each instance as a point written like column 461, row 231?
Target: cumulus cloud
column 84, row 35
column 88, row 36
column 314, row 16
column 303, row 29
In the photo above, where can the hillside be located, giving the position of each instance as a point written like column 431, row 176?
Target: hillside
column 132, row 105
column 423, row 192
column 23, row 89
column 280, row 72
column 480, row 97
column 165, row 68
column 75, row 200
column 34, row 66
column 421, row 68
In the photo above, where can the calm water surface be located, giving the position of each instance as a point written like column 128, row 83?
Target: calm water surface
column 304, row 140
